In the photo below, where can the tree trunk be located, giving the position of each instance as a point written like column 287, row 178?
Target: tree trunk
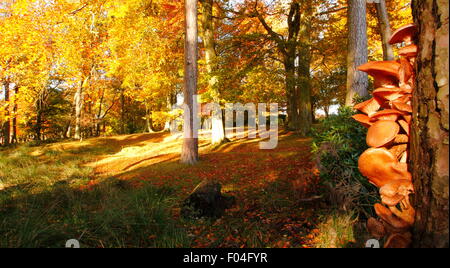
column 327, row 111
column 171, row 100
column 149, row 119
column 292, row 94
column 7, row 124
column 78, row 110
column 38, row 127
column 14, row 119
column 385, row 29
column 218, row 131
column 122, row 112
column 429, row 148
column 287, row 46
column 304, row 75
column 99, row 116
column 357, row 82
column 189, row 152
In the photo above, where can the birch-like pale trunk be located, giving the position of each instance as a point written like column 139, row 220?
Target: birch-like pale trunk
column 189, row 152
column 78, row 110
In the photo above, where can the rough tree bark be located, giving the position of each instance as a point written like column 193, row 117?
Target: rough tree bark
column 218, row 131
column 429, row 148
column 189, row 152
column 304, row 73
column 294, row 122
column 385, row 29
column 357, row 82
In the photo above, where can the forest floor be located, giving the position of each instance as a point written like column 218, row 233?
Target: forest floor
column 126, row 191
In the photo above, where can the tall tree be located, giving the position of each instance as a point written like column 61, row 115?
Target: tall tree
column 189, row 153
column 218, row 131
column 385, row 29
column 287, row 46
column 357, row 82
column 304, row 70
column 430, row 131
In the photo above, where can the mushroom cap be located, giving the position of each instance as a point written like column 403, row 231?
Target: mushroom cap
column 405, row 34
column 402, row 187
column 403, row 169
column 401, row 139
column 398, row 150
column 406, row 73
column 410, row 51
column 408, row 118
column 407, row 214
column 388, row 115
column 369, row 107
column 392, row 201
column 403, row 107
column 363, row 119
column 376, row 228
column 382, row 133
column 396, row 191
column 407, row 97
column 387, row 216
column 384, row 72
column 389, row 93
column 386, row 68
column 381, row 167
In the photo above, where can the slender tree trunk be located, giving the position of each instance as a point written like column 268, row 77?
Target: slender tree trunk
column 14, row 119
column 327, row 111
column 430, row 130
column 357, row 82
column 385, row 29
column 7, row 124
column 38, row 127
column 189, row 153
column 122, row 112
column 149, row 119
column 171, row 100
column 92, row 124
column 218, row 131
column 99, row 116
column 67, row 131
column 78, row 110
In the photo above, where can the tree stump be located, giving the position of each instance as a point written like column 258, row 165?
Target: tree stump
column 206, row 201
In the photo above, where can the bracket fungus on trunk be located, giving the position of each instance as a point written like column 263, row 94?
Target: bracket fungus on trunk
column 382, row 133
column 388, row 117
column 385, row 73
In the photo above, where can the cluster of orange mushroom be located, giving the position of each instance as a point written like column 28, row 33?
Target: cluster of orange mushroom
column 388, row 117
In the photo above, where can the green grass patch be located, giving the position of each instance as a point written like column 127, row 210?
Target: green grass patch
column 42, row 205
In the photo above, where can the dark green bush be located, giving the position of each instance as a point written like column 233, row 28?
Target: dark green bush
column 338, row 142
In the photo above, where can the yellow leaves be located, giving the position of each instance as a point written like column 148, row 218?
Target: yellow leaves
column 119, row 10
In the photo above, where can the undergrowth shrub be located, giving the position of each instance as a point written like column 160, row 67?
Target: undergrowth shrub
column 338, row 142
